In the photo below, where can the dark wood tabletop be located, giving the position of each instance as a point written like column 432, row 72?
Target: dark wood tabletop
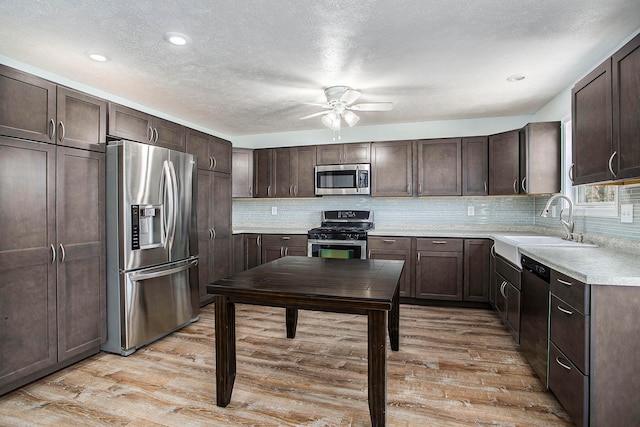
column 368, row 287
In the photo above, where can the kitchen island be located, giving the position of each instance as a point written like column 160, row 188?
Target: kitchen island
column 365, row 287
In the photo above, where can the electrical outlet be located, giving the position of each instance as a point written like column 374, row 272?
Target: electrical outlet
column 274, row 210
column 626, row 214
column 471, row 210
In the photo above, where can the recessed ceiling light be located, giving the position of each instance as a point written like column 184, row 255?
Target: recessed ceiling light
column 515, row 78
column 98, row 57
column 177, row 39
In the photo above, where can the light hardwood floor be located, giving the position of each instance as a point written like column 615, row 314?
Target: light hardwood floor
column 455, row 367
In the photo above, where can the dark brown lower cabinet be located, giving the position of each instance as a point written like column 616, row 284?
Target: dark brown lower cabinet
column 52, row 258
column 507, row 297
column 276, row 246
column 439, row 266
column 477, row 270
column 398, row 248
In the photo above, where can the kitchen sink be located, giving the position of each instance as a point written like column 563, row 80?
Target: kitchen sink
column 508, row 246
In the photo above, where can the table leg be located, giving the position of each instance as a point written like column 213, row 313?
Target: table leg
column 377, row 368
column 225, row 317
column 394, row 322
column 292, row 322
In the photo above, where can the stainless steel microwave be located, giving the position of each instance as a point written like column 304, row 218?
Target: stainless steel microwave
column 343, row 179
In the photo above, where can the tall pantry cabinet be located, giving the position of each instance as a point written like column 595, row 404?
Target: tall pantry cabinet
column 52, row 251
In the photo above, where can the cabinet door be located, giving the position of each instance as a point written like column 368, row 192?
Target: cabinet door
column 222, row 261
column 357, row 153
column 262, row 163
column 476, row 270
column 239, row 261
column 475, row 166
column 440, row 167
column 252, row 250
column 82, row 120
column 205, row 231
column 242, row 177
column 504, row 163
column 501, row 295
column 540, row 158
column 281, row 173
column 329, row 154
column 439, row 273
column 168, row 134
column 81, row 287
column 27, row 106
column 303, row 172
column 398, row 248
column 27, row 263
column 198, row 144
column 626, row 110
column 130, row 124
column 270, row 253
column 591, row 119
column 220, row 152
column 512, row 312
column 392, row 169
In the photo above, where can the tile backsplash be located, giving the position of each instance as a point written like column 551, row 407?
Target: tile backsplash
column 403, row 212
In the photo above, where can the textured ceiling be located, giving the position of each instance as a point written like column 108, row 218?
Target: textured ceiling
column 250, row 61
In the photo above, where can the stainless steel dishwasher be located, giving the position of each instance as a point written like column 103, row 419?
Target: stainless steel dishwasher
column 534, row 316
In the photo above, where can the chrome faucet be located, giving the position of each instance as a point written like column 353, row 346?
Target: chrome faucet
column 567, row 225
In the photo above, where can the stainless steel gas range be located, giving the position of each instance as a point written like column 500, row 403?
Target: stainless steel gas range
column 342, row 234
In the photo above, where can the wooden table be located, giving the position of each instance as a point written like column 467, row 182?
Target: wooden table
column 368, row 287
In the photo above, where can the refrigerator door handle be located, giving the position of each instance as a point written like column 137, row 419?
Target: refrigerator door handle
column 152, row 273
column 174, row 198
column 168, row 202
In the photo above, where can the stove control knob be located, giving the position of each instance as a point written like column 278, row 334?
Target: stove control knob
column 352, row 236
column 323, row 236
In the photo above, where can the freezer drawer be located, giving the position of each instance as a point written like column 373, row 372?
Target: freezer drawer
column 152, row 303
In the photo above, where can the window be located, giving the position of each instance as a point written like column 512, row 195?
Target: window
column 589, row 200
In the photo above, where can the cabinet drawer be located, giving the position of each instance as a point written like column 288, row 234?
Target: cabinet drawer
column 284, row 240
column 439, row 245
column 570, row 332
column 569, row 385
column 393, row 243
column 510, row 272
column 570, row 290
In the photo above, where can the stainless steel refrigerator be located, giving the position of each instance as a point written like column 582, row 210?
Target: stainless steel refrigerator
column 152, row 247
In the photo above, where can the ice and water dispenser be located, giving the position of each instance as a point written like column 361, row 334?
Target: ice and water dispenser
column 146, row 226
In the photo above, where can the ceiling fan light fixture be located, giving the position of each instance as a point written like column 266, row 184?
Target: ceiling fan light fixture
column 332, row 121
column 351, row 118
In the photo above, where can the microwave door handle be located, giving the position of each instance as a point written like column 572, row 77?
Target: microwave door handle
column 162, row 271
column 358, row 178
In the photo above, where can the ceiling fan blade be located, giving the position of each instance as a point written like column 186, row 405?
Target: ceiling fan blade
column 314, row 115
column 314, row 104
column 372, row 106
column 349, row 96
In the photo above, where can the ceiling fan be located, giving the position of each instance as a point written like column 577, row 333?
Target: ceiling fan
column 340, row 105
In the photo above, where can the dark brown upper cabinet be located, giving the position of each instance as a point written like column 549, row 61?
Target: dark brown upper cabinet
column 591, row 119
column 475, row 166
column 36, row 109
column 625, row 67
column 392, row 168
column 333, row 154
column 439, row 167
column 212, row 153
column 504, row 163
column 134, row 125
column 540, row 158
column 284, row 172
column 242, row 177
column 605, row 109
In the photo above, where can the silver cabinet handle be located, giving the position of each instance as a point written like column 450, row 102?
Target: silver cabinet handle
column 53, row 253
column 155, row 139
column 286, row 251
column 52, row 128
column 295, row 190
column 285, row 238
column 418, row 257
column 281, row 251
column 259, row 240
column 210, row 162
column 211, row 234
column 213, row 230
column 515, row 186
column 150, row 134
column 439, row 242
column 215, row 163
column 493, row 250
column 62, row 253
column 502, row 287
column 571, row 170
column 291, row 190
column 486, row 188
column 389, row 240
column 567, row 367
column 564, row 282
column 251, row 190
column 524, row 184
column 565, row 311
column 611, row 161
column 61, row 132
column 269, row 191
